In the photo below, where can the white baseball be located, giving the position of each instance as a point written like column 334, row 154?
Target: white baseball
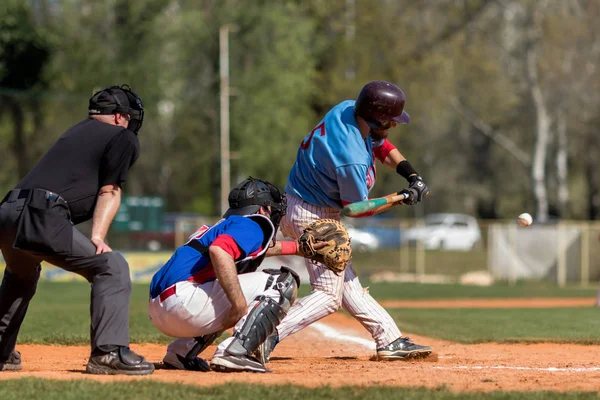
column 525, row 219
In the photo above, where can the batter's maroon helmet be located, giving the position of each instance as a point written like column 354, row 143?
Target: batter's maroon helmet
column 379, row 103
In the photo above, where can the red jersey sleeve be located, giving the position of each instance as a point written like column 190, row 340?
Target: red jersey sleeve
column 228, row 244
column 382, row 151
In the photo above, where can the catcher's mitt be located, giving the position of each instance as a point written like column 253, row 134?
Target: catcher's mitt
column 336, row 254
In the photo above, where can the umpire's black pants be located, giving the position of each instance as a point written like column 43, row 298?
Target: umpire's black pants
column 108, row 274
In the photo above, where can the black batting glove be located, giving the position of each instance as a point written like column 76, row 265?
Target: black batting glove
column 417, row 189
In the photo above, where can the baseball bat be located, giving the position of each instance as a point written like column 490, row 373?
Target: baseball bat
column 376, row 205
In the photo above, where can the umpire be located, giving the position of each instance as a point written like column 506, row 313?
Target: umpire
column 78, row 179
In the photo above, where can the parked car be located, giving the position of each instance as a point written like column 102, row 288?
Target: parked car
column 445, row 231
column 362, row 240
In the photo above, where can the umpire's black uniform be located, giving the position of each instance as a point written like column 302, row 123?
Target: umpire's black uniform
column 37, row 221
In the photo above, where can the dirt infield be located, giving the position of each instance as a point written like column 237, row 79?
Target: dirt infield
column 337, row 351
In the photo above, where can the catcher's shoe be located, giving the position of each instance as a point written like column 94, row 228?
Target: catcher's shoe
column 403, row 349
column 231, row 363
column 263, row 353
column 175, row 361
column 122, row 361
column 12, row 363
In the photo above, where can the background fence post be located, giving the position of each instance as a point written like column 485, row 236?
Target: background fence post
column 561, row 270
column 585, row 254
column 420, row 256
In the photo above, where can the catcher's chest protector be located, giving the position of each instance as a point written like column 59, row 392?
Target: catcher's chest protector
column 250, row 263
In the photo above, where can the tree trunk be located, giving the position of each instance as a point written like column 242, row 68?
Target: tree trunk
column 561, row 165
column 542, row 134
column 19, row 146
column 591, row 166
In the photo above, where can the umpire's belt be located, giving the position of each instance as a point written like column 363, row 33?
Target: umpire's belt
column 44, row 225
column 16, row 194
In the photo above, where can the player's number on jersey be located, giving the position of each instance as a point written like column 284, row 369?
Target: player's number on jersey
column 305, row 143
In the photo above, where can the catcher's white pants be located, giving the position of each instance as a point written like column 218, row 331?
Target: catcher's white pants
column 201, row 309
column 330, row 291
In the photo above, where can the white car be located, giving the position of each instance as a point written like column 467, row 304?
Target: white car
column 361, row 240
column 445, row 232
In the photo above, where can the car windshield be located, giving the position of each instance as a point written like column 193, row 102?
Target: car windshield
column 434, row 222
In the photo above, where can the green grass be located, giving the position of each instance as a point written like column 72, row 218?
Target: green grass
column 30, row 388
column 423, row 291
column 59, row 314
column 412, row 291
column 561, row 325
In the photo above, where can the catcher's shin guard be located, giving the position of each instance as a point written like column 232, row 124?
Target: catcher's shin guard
column 265, row 315
column 202, row 342
column 287, row 284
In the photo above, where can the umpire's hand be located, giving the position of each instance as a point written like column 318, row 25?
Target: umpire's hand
column 101, row 247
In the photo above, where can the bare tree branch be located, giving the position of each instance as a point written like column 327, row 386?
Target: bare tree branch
column 448, row 32
column 485, row 129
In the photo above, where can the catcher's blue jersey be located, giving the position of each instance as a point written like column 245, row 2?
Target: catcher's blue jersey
column 240, row 236
column 334, row 164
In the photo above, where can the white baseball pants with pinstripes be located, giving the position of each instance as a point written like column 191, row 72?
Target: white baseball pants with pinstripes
column 330, row 291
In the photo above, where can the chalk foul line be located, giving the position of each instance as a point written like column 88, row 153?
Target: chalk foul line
column 516, row 368
column 332, row 333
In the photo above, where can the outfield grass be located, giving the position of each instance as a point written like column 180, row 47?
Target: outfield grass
column 30, row 388
column 59, row 314
column 561, row 325
column 422, row 291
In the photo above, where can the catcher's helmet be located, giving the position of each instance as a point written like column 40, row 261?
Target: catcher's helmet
column 252, row 194
column 119, row 99
column 380, row 103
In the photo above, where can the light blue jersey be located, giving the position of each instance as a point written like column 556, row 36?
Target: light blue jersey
column 334, row 165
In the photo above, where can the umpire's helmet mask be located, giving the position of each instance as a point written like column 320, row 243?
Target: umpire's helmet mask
column 252, row 194
column 380, row 103
column 119, row 99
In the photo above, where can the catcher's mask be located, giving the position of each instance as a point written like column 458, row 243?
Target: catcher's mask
column 119, row 99
column 252, row 194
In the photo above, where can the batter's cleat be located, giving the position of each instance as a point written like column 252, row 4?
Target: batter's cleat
column 403, row 349
column 175, row 361
column 12, row 363
column 231, row 363
column 122, row 361
column 263, row 353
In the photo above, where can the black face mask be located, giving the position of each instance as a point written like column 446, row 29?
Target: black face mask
column 136, row 107
column 278, row 207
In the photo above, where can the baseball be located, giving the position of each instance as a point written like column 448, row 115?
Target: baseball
column 525, row 219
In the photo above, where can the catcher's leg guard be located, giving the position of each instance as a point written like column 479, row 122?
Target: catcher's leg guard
column 265, row 315
column 202, row 342
column 287, row 284
column 191, row 361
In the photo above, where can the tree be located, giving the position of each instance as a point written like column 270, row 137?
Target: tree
column 24, row 54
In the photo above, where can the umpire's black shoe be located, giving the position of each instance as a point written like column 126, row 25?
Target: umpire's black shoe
column 403, row 349
column 122, row 361
column 12, row 363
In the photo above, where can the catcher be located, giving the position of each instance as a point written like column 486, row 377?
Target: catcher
column 211, row 283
